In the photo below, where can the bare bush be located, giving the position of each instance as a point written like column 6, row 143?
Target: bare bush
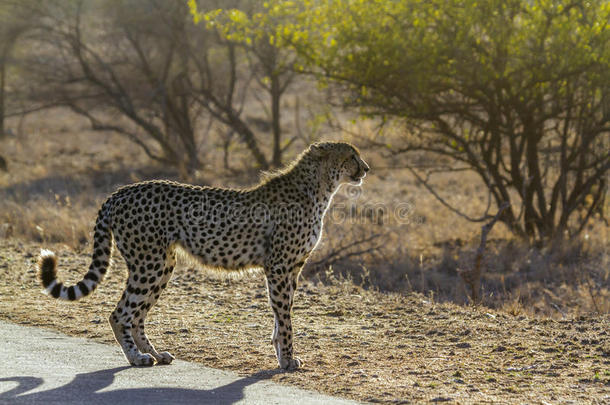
column 144, row 70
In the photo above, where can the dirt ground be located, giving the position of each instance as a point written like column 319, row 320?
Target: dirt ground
column 355, row 343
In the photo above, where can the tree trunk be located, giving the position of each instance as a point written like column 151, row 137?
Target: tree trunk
column 193, row 159
column 275, row 119
column 3, row 165
column 2, row 87
column 249, row 139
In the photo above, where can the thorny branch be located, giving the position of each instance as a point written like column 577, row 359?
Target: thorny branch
column 346, row 250
column 432, row 191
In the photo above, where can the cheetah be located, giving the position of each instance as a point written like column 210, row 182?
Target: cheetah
column 273, row 226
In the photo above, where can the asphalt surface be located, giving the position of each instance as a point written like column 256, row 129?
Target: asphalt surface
column 43, row 367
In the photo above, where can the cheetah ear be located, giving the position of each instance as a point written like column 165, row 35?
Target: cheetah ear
column 317, row 150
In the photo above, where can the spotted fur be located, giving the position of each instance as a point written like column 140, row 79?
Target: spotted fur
column 274, row 226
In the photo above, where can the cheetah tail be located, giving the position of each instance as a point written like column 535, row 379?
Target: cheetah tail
column 102, row 251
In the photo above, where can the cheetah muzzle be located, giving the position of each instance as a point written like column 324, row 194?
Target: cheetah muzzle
column 274, row 225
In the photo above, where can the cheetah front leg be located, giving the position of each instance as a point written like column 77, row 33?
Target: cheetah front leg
column 281, row 292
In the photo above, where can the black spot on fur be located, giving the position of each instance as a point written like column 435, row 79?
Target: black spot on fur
column 56, row 290
column 71, row 294
column 83, row 288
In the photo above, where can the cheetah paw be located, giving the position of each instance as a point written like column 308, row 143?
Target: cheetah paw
column 143, row 360
column 165, row 358
column 291, row 364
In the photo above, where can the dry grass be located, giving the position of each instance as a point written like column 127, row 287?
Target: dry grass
column 390, row 235
column 356, row 343
column 408, row 342
column 424, row 252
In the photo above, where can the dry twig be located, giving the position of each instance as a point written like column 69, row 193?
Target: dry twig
column 472, row 277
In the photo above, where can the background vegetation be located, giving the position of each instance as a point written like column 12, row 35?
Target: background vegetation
column 461, row 107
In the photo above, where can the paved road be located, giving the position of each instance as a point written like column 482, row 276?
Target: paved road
column 44, row 367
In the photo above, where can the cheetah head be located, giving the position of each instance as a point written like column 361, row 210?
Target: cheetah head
column 343, row 162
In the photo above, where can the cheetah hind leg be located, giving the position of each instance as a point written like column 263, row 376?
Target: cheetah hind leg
column 141, row 340
column 145, row 346
column 123, row 335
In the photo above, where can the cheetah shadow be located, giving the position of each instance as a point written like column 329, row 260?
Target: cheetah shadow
column 84, row 389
